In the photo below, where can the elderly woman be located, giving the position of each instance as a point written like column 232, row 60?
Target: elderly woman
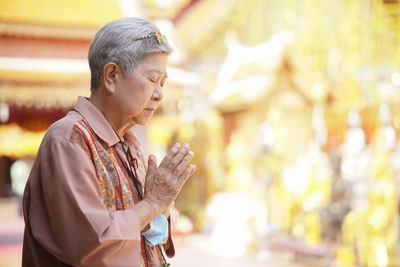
column 90, row 199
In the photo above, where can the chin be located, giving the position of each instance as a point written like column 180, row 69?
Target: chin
column 141, row 122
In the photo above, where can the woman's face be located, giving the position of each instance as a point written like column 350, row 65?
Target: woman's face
column 139, row 93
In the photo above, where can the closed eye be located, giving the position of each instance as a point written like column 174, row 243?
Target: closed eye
column 162, row 81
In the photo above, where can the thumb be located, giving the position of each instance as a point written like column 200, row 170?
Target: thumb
column 152, row 162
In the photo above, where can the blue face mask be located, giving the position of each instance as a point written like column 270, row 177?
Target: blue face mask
column 158, row 232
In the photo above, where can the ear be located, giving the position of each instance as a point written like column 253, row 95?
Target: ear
column 111, row 75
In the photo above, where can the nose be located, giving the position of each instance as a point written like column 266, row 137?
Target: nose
column 158, row 94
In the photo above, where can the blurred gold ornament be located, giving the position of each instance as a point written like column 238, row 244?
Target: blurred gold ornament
column 345, row 256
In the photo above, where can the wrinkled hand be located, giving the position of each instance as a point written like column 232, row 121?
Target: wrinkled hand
column 163, row 183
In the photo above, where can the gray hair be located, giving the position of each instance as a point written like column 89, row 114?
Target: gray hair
column 115, row 42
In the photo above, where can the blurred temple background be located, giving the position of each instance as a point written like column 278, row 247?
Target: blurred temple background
column 292, row 109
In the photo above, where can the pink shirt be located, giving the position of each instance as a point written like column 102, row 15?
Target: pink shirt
column 67, row 221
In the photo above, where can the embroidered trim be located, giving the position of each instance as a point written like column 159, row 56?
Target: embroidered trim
column 111, row 175
column 115, row 187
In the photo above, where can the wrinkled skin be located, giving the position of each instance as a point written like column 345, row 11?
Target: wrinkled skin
column 163, row 183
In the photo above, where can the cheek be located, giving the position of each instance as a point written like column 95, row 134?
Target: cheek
column 142, row 99
column 146, row 95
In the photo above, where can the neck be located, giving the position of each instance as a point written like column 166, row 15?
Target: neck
column 113, row 119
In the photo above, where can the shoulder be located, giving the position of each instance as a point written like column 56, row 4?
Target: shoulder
column 63, row 131
column 63, row 127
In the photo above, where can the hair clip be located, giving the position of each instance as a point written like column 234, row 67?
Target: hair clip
column 158, row 37
column 156, row 34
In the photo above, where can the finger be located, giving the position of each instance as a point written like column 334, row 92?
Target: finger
column 186, row 174
column 171, row 153
column 178, row 157
column 183, row 164
column 193, row 170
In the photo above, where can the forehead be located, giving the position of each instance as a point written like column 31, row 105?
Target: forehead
column 156, row 62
